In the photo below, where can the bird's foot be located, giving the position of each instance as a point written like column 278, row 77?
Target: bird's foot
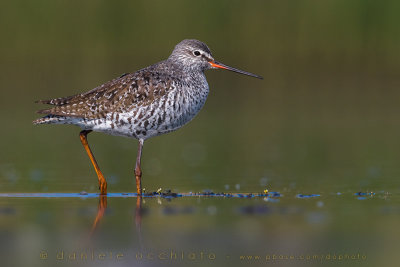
column 103, row 187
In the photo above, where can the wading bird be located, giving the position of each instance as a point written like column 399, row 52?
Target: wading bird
column 152, row 101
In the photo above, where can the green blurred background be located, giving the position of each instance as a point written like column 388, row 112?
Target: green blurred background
column 325, row 119
column 326, row 112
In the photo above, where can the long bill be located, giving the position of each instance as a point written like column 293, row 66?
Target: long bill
column 219, row 65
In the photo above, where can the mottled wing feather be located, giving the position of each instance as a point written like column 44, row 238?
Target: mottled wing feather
column 56, row 101
column 119, row 95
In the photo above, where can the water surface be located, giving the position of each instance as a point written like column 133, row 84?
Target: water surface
column 287, row 229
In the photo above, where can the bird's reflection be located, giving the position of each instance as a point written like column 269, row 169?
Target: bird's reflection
column 138, row 218
column 101, row 209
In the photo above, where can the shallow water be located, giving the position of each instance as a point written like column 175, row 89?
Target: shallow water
column 286, row 229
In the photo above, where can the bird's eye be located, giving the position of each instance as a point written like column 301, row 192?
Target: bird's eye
column 197, row 53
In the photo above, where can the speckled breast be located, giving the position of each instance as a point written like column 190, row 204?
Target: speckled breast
column 165, row 114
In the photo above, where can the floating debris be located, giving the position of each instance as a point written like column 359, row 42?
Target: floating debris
column 307, row 196
column 158, row 193
column 364, row 194
column 274, row 194
column 170, row 194
column 208, row 192
column 235, row 195
column 166, row 194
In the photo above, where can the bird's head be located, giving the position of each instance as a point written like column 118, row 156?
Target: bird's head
column 195, row 55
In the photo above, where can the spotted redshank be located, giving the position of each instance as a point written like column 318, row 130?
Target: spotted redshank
column 152, row 101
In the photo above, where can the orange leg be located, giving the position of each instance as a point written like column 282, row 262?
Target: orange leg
column 138, row 170
column 102, row 180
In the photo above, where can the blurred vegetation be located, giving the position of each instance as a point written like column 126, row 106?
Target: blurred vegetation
column 325, row 115
column 324, row 120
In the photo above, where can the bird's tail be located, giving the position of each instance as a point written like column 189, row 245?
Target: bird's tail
column 49, row 119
